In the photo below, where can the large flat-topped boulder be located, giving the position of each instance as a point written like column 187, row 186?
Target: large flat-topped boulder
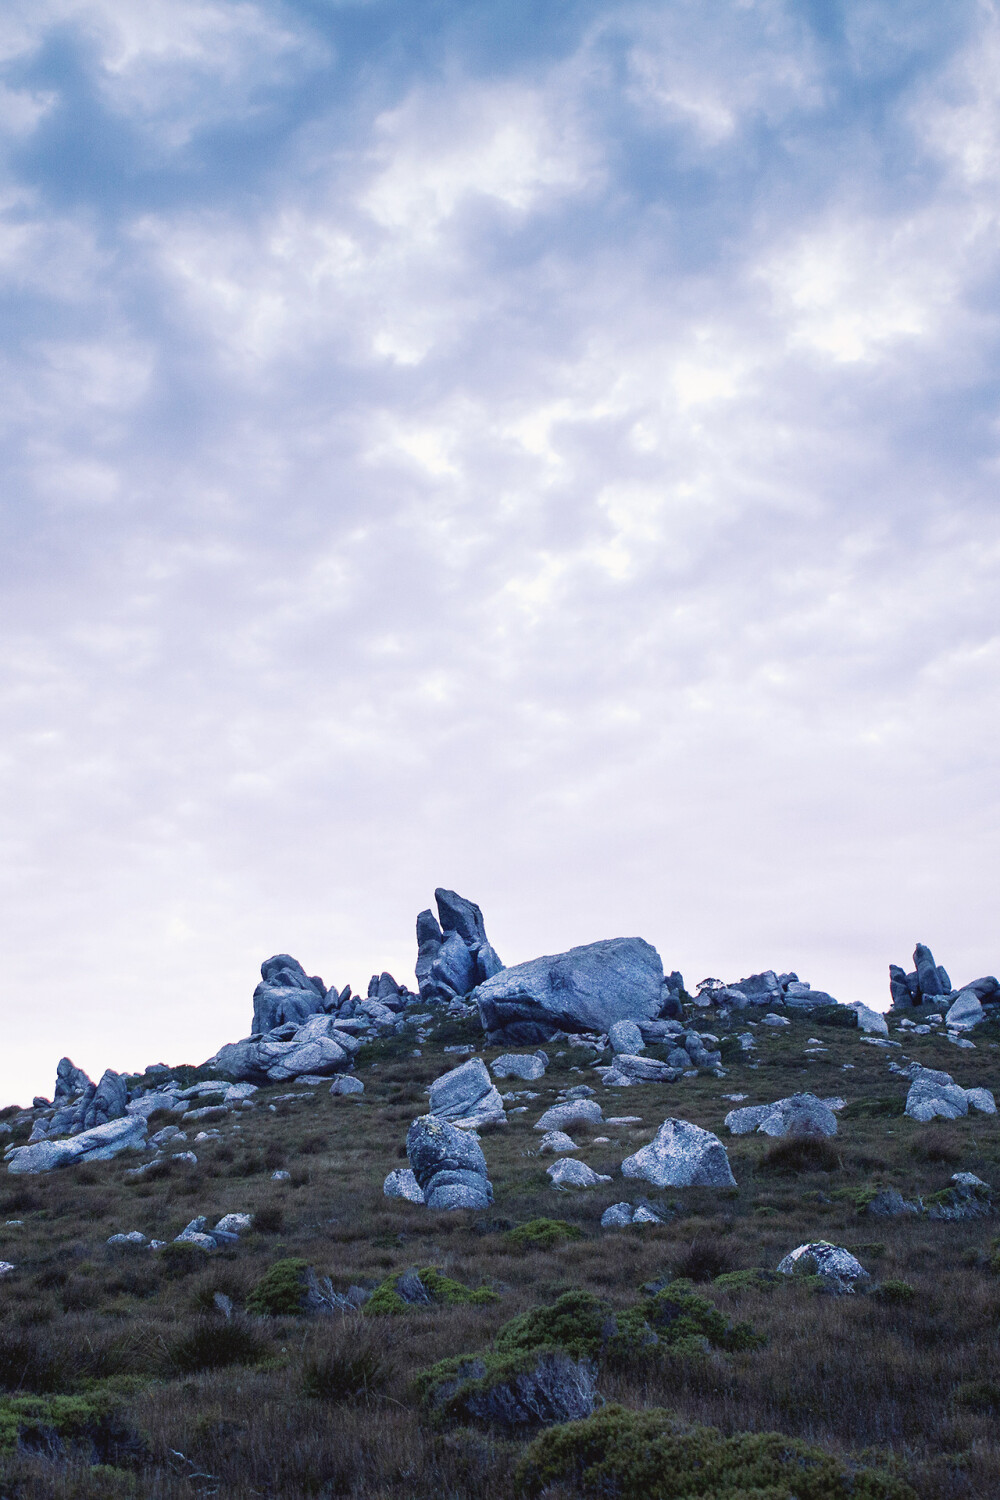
column 586, row 989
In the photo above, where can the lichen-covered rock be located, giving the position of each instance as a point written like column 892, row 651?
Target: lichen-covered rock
column 934, row 1096
column 625, row 1036
column 969, row 1197
column 402, row 1184
column 965, row 1012
column 572, row 1112
column 586, row 989
column 838, row 1268
column 99, row 1144
column 557, row 1143
column 448, row 1164
column 799, row 1115
column 453, row 954
column 981, row 1100
column 529, row 1066
column 567, row 1172
column 628, row 1069
column 889, row 1203
column 467, row 1096
column 681, row 1155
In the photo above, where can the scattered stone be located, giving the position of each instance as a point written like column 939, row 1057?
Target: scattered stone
column 625, row 1036
column 528, row 1066
column 188, row 1157
column 623, row 1120
column 166, row 1135
column 235, row 1223
column 621, row 1214
column 890, row 1204
column 402, row 1184
column 133, row 1237
column 774, row 1020
column 969, row 1197
column 933, row 1095
column 572, row 1112
column 628, row 1070
column 347, row 1083
column 982, row 1100
column 448, row 1164
column 6, row 1266
column 281, row 1176
column 237, row 1092
column 570, row 1173
column 467, row 1096
column 838, row 1268
column 681, row 1155
column 556, row 1142
column 588, row 988
column 965, row 1012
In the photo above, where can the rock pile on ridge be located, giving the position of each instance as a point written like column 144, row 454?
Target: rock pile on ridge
column 453, row 951
column 929, row 983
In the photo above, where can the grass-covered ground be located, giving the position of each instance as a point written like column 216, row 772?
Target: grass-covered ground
column 122, row 1356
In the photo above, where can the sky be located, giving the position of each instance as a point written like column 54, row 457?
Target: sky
column 545, row 451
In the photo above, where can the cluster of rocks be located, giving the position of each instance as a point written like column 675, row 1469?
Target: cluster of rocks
column 762, row 990
column 687, row 1053
column 448, row 1165
column 929, row 983
column 78, row 1104
column 798, row 1115
column 934, row 1095
column 197, row 1232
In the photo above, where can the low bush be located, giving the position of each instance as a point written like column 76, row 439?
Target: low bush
column 799, row 1154
column 442, row 1290
column 55, row 1427
column 214, row 1343
column 542, row 1234
column 704, row 1260
column 840, row 1016
column 281, row 1290
column 686, row 1322
column 582, row 1324
column 653, row 1455
column 894, row 1293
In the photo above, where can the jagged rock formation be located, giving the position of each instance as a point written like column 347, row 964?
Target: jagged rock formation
column 79, row 1104
column 453, row 953
column 448, row 1164
column 98, row 1144
column 764, row 989
column 286, row 993
column 319, row 1047
column 586, row 989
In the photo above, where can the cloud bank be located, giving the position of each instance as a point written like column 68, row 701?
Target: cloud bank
column 551, row 455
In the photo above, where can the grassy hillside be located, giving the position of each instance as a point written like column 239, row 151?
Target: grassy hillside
column 123, row 1356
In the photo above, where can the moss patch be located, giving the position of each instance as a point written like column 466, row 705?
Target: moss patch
column 542, row 1234
column 442, row 1290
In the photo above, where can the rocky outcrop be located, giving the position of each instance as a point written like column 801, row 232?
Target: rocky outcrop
column 765, row 989
column 681, row 1155
column 935, row 1095
column 99, row 1144
column 285, row 993
column 317, row 1046
column 448, row 1164
column 71, row 1082
column 467, row 1096
column 838, row 1269
column 402, row 1184
column 80, row 1111
column 586, row 989
column 453, row 953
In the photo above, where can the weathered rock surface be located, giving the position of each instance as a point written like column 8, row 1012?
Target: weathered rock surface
column 71, row 1081
column 529, row 1066
column 681, row 1155
column 346, row 1083
column 839, row 1269
column 628, row 1070
column 572, row 1112
column 453, row 953
column 285, row 993
column 965, row 1011
column 318, row 1045
column 448, row 1164
column 621, row 1214
column 402, row 1184
column 570, row 1173
column 467, row 1096
column 625, row 1036
column 871, row 1021
column 557, row 1143
column 801, row 1115
column 889, row 1203
column 586, row 989
column 99, row 1144
column 969, row 1197
column 934, row 1096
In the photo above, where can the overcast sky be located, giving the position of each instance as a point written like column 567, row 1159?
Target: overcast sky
column 545, row 450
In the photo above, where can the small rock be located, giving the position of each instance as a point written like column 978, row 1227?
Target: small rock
column 570, row 1173
column 6, row 1266
column 628, row 1070
column 281, row 1176
column 616, row 1216
column 134, row 1237
column 528, row 1066
column 234, row 1224
column 347, row 1083
column 573, row 1112
column 402, row 1184
column 625, row 1036
column 890, row 1204
column 556, row 1143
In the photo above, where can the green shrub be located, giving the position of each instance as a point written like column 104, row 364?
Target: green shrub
column 977, row 1395
column 653, row 1455
column 753, row 1280
column 685, row 1321
column 214, row 1343
column 896, row 1293
column 280, row 1290
column 532, row 1388
column 582, row 1324
column 89, row 1425
column 442, row 1290
column 542, row 1234
column 270, row 1219
column 834, row 1015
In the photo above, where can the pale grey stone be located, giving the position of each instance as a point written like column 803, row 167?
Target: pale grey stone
column 681, row 1155
column 800, row 1115
column 556, row 1143
column 625, row 1036
column 528, row 1066
column 586, row 989
column 983, row 1100
column 573, row 1112
column 448, row 1164
column 837, row 1266
column 871, row 1021
column 467, row 1096
column 235, row 1223
column 618, row 1215
column 965, row 1012
column 567, row 1172
column 402, row 1184
column 347, row 1083
column 98, row 1144
column 628, row 1069
column 927, row 1100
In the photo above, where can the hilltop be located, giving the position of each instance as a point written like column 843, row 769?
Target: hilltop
column 230, row 1304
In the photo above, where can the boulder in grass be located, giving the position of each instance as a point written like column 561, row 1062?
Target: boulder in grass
column 621, row 1214
column 529, row 1066
column 99, row 1144
column 799, row 1115
column 402, row 1184
column 839, row 1270
column 557, row 1143
column 965, row 1012
column 571, row 1112
column 588, row 988
column 347, row 1083
column 969, row 1197
column 889, row 1203
column 467, row 1096
column 681, row 1155
column 625, row 1036
column 870, row 1021
column 982, row 1100
column 567, row 1173
column 448, row 1164
column 933, row 1096
column 628, row 1070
